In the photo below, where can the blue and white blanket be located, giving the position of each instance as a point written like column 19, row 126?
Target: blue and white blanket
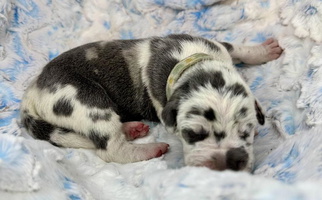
column 288, row 148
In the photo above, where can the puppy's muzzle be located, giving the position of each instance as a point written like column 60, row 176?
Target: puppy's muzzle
column 234, row 159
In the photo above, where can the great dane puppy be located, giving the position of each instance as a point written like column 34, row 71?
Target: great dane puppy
column 94, row 96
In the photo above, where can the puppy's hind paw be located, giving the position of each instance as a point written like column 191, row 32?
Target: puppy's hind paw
column 152, row 150
column 135, row 130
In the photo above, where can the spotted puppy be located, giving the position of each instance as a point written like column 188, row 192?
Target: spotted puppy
column 94, row 95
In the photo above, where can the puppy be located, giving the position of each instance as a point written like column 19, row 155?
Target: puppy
column 93, row 96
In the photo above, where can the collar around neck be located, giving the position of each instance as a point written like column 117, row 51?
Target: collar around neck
column 179, row 69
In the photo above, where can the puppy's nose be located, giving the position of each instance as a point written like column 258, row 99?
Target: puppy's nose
column 236, row 159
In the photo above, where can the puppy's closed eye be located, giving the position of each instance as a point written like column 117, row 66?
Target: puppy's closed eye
column 191, row 136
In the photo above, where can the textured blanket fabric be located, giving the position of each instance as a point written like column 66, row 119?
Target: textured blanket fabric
column 288, row 149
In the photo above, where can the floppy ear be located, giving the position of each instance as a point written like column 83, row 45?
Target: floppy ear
column 259, row 113
column 169, row 113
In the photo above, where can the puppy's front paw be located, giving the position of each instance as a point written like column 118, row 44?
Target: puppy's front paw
column 135, row 130
column 272, row 48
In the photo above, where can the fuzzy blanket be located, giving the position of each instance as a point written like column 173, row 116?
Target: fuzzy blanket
column 288, row 149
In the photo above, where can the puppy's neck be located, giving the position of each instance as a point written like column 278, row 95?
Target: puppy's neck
column 181, row 67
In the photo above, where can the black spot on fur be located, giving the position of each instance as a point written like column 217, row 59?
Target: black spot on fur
column 238, row 89
column 191, row 137
column 250, row 126
column 236, row 159
column 210, row 114
column 63, row 107
column 244, row 135
column 98, row 116
column 243, row 112
column 39, row 128
column 228, row 46
column 201, row 79
column 219, row 136
column 100, row 142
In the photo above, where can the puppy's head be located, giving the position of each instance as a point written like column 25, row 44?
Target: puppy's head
column 215, row 125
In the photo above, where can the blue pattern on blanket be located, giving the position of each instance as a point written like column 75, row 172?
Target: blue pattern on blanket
column 288, row 148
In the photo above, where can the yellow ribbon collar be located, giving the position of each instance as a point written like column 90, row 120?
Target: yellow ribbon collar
column 178, row 70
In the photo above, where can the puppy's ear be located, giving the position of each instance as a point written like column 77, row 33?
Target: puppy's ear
column 169, row 113
column 259, row 113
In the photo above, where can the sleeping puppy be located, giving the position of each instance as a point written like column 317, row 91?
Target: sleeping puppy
column 93, row 96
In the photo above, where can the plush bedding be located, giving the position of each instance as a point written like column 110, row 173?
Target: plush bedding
column 288, row 149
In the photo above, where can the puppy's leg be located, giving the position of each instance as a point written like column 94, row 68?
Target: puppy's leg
column 135, row 130
column 113, row 147
column 267, row 51
column 82, row 115
column 70, row 140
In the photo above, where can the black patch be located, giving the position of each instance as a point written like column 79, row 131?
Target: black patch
column 243, row 112
column 39, row 128
column 193, row 111
column 191, row 137
column 250, row 126
column 259, row 114
column 63, row 107
column 248, row 144
column 219, row 136
column 98, row 116
column 238, row 89
column 100, row 142
column 202, row 78
column 244, row 135
column 236, row 159
column 228, row 46
column 210, row 114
